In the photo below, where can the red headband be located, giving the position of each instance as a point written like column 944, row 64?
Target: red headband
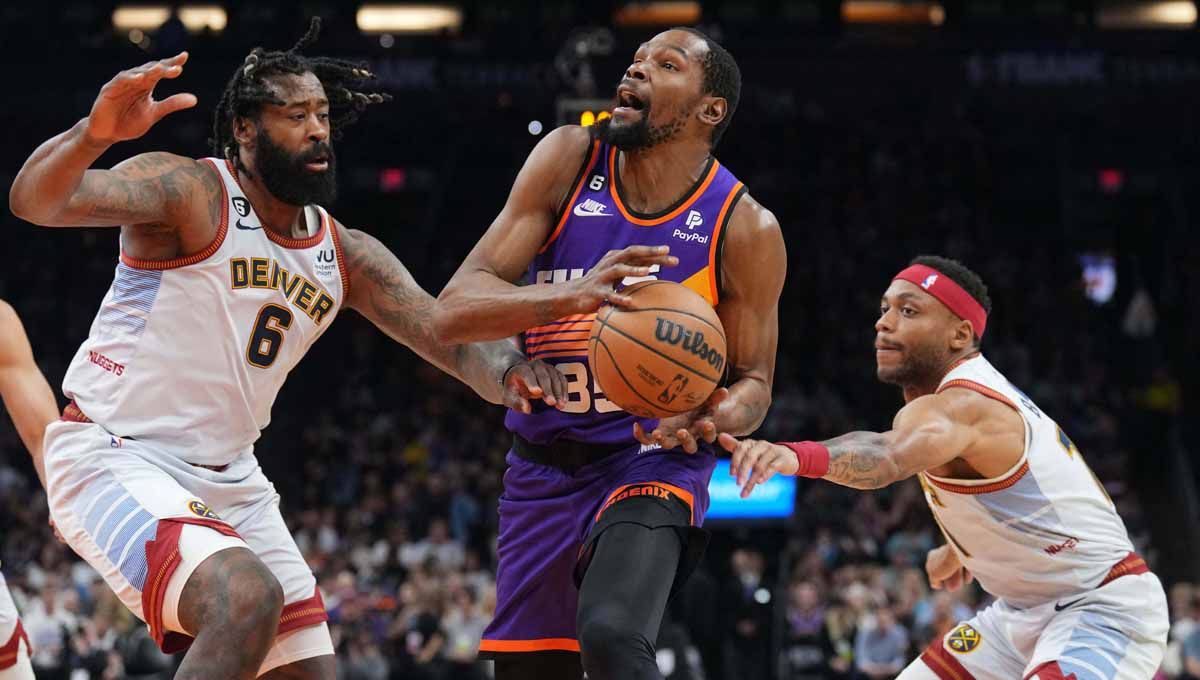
column 948, row 292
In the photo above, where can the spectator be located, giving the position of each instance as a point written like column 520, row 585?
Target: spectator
column 747, row 603
column 881, row 648
column 807, row 646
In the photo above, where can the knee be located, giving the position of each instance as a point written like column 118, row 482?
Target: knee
column 233, row 591
column 609, row 633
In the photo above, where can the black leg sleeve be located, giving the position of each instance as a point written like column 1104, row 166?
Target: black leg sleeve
column 539, row 666
column 622, row 600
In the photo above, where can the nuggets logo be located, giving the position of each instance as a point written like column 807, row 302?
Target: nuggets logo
column 201, row 510
column 963, row 639
column 929, row 281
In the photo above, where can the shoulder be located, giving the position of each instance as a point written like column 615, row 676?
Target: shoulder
column 753, row 252
column 955, row 404
column 558, row 156
column 160, row 163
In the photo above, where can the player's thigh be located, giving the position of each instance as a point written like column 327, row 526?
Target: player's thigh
column 1117, row 632
column 129, row 519
column 977, row 648
column 303, row 639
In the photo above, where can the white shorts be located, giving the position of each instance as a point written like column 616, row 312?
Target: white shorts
column 1117, row 631
column 146, row 520
column 14, row 644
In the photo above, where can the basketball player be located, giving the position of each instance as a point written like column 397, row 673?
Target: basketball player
column 30, row 404
column 229, row 271
column 596, row 527
column 1020, row 509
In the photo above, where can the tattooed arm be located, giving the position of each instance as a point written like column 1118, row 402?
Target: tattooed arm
column 927, row 433
column 383, row 290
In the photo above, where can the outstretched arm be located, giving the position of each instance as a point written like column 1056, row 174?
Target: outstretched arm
column 55, row 187
column 928, row 432
column 27, row 395
column 383, row 290
column 482, row 300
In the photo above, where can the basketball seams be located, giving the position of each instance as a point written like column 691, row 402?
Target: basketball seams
column 634, row 340
column 598, row 341
column 697, row 317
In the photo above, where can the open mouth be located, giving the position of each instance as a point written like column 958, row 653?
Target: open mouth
column 318, row 163
column 628, row 102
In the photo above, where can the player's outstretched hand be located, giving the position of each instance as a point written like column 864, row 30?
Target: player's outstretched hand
column 534, row 380
column 686, row 430
column 126, row 108
column 755, row 461
column 945, row 570
column 600, row 284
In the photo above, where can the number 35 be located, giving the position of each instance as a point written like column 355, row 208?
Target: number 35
column 580, row 398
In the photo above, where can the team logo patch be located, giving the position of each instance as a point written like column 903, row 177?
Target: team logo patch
column 963, row 639
column 929, row 281
column 201, row 510
column 241, row 205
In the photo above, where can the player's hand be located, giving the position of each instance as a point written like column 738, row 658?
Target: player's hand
column 535, row 379
column 945, row 570
column 686, row 430
column 126, row 108
column 755, row 461
column 600, row 284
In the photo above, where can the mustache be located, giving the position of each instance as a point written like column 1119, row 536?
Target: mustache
column 319, row 150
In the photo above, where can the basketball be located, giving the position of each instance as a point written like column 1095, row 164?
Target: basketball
column 663, row 356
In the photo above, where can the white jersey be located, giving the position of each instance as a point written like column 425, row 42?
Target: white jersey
column 189, row 354
column 1045, row 529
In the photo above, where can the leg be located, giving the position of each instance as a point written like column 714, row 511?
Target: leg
column 541, row 666
column 622, row 600
column 231, row 604
column 314, row 668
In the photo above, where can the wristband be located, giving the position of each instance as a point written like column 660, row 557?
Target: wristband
column 813, row 458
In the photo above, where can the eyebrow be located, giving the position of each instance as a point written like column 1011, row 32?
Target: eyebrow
column 305, row 102
column 901, row 296
column 680, row 50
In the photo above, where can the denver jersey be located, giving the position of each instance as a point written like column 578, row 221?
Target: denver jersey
column 189, row 354
column 1045, row 529
column 594, row 221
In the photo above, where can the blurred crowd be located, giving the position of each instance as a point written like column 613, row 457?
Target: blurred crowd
column 389, row 472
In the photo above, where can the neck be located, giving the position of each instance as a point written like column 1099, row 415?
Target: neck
column 281, row 218
column 655, row 178
column 930, row 385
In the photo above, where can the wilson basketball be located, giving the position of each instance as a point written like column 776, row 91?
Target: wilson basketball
column 662, row 357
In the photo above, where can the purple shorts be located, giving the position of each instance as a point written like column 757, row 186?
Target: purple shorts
column 548, row 517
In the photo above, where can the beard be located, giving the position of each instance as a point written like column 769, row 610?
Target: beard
column 639, row 135
column 288, row 180
column 921, row 366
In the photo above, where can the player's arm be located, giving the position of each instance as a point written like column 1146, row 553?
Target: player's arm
column 754, row 266
column 482, row 301
column 383, row 290
column 57, row 188
column 27, row 395
column 928, row 432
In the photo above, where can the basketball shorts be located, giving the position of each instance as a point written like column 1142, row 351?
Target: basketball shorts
column 1115, row 632
column 550, row 519
column 146, row 520
column 14, row 643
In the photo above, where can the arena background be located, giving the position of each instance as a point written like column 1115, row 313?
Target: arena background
column 1051, row 145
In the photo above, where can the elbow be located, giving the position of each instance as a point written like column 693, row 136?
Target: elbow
column 19, row 203
column 446, row 326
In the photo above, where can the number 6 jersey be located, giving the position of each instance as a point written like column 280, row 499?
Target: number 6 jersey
column 189, row 354
column 594, row 221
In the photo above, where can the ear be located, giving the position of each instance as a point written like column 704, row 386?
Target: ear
column 245, row 131
column 713, row 110
column 964, row 336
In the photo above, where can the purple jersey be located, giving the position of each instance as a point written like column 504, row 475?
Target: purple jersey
column 594, row 221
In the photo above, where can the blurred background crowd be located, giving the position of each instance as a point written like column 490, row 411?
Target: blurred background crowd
column 1053, row 153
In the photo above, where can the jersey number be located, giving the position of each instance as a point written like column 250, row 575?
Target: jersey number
column 267, row 336
column 580, row 399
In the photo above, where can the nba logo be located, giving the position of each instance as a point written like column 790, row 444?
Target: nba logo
column 694, row 219
column 929, row 281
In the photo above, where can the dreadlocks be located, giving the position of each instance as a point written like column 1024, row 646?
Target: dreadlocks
column 248, row 90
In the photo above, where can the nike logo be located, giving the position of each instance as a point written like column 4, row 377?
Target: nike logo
column 591, row 208
column 1059, row 607
column 239, row 225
